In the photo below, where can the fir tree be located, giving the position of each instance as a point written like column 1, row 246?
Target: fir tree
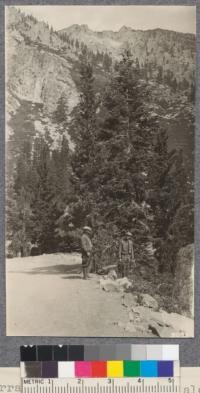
column 113, row 155
column 44, row 209
column 126, row 136
column 19, row 213
column 169, row 197
column 83, row 130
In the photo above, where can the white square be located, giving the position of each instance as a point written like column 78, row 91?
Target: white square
column 66, row 369
column 22, row 370
column 170, row 352
column 176, row 368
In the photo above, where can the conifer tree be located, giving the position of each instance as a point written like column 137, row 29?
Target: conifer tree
column 19, row 213
column 114, row 152
column 126, row 135
column 171, row 201
column 43, row 206
column 83, row 130
column 60, row 115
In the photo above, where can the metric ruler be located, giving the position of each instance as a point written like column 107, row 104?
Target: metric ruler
column 101, row 385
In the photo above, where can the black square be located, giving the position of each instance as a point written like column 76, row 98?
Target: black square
column 44, row 352
column 28, row 353
column 76, row 352
column 60, row 352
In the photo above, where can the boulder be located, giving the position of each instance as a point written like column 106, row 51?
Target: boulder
column 148, row 301
column 124, row 283
column 161, row 323
column 109, row 285
column 179, row 323
column 119, row 285
column 112, row 274
column 161, row 331
column 129, row 300
column 183, row 292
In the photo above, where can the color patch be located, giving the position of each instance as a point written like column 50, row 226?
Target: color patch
column 148, row 368
column 66, row 370
column 154, row 352
column 123, row 352
column 83, row 369
column 99, row 369
column 28, row 353
column 76, row 352
column 138, row 352
column 170, row 352
column 60, row 352
column 176, row 365
column 44, row 352
column 165, row 369
column 31, row 370
column 107, row 352
column 50, row 369
column 131, row 368
column 115, row 369
column 91, row 352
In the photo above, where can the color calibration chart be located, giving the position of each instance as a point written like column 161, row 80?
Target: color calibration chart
column 100, row 369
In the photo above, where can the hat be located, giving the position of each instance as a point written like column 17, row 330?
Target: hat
column 86, row 228
column 129, row 234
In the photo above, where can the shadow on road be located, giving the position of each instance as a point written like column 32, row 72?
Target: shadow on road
column 73, row 277
column 55, row 269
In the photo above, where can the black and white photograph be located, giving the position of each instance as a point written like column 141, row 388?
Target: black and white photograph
column 99, row 146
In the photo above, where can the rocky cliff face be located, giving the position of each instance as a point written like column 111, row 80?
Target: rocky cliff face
column 36, row 69
column 41, row 66
column 37, row 74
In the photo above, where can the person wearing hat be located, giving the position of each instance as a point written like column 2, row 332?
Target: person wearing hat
column 126, row 254
column 86, row 249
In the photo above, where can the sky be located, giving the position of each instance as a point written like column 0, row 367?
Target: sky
column 98, row 18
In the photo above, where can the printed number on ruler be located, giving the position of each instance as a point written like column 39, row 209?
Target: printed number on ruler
column 88, row 385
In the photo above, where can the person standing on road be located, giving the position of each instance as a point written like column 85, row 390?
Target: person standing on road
column 86, row 249
column 126, row 255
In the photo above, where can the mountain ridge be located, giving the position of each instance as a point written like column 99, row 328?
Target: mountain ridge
column 42, row 65
column 122, row 28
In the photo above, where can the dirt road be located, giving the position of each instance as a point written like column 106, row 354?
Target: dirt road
column 46, row 296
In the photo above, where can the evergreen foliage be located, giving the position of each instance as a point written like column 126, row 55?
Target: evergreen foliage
column 121, row 174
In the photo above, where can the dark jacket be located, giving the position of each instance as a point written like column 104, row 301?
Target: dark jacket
column 126, row 249
column 86, row 245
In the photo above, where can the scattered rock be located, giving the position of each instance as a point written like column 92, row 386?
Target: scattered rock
column 161, row 323
column 179, row 323
column 119, row 285
column 129, row 300
column 161, row 331
column 148, row 301
column 112, row 274
column 109, row 285
column 124, row 283
column 130, row 327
